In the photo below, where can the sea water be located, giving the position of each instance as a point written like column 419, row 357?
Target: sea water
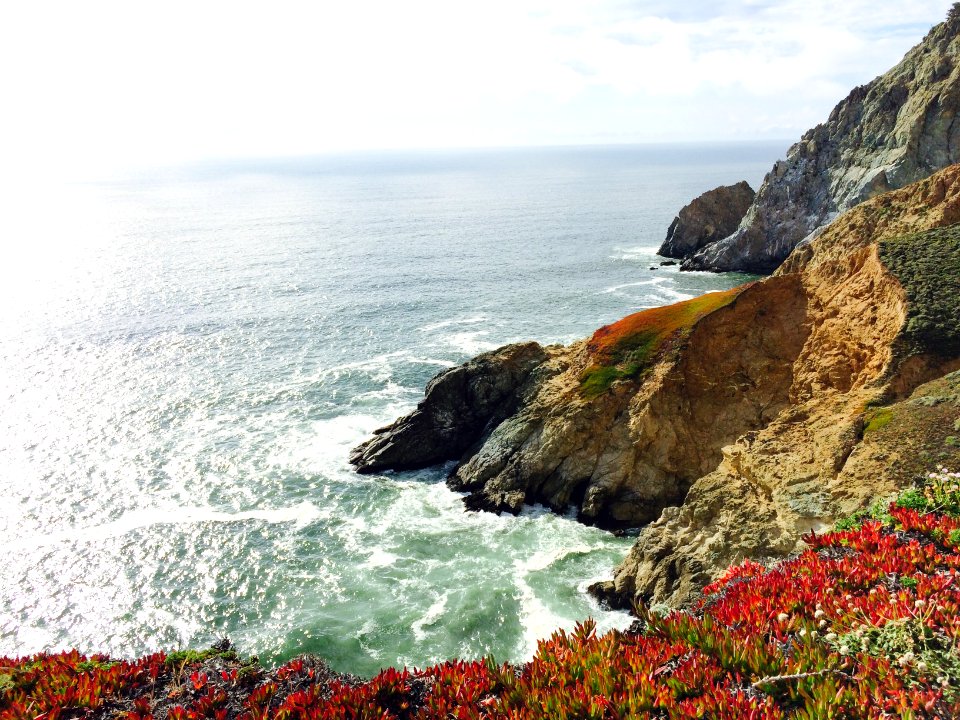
column 188, row 354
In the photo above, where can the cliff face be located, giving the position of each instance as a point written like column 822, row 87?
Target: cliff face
column 620, row 425
column 865, row 413
column 896, row 130
column 710, row 217
column 728, row 424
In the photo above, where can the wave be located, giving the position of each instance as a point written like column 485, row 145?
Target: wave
column 634, row 253
column 470, row 343
column 433, row 615
column 449, row 323
column 641, row 283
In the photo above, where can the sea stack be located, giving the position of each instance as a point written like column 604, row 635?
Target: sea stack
column 708, row 218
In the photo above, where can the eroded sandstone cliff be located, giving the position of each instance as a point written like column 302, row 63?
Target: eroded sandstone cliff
column 898, row 129
column 869, row 350
column 730, row 424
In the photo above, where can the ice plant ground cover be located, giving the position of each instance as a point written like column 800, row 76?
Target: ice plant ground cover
column 627, row 347
column 862, row 624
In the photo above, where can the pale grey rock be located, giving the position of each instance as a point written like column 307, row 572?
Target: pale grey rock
column 896, row 130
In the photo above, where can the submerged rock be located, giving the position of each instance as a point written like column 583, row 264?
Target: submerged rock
column 896, row 130
column 710, row 217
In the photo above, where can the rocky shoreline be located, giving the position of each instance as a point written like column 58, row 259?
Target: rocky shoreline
column 727, row 426
column 861, row 624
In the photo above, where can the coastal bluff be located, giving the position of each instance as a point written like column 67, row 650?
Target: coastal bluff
column 728, row 425
column 887, row 134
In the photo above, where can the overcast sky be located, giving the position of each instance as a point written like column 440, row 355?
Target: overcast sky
column 95, row 83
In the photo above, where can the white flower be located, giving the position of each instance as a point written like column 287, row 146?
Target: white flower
column 783, row 617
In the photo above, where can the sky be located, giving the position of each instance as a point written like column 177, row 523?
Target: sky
column 96, row 84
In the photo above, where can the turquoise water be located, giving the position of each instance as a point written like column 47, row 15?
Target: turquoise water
column 187, row 356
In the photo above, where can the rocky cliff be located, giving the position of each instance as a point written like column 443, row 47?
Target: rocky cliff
column 728, row 424
column 896, row 130
column 710, row 217
column 870, row 404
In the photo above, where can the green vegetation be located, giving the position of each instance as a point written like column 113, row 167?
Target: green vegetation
column 598, row 380
column 877, row 419
column 934, row 493
column 628, row 347
column 924, row 650
column 192, row 657
column 927, row 264
column 95, row 664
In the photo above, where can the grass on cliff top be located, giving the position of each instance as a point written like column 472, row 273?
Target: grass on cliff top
column 927, row 264
column 629, row 346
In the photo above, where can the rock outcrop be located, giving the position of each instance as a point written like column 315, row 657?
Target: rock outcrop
column 459, row 406
column 617, row 426
column 710, row 217
column 727, row 425
column 896, row 130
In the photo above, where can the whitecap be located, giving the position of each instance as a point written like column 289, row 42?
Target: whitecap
column 449, row 323
column 675, row 294
column 634, row 253
column 542, row 559
column 641, row 283
column 536, row 619
column 380, row 558
column 324, row 445
column 433, row 614
column 434, row 361
column 470, row 343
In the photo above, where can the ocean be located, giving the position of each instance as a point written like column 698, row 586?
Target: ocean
column 188, row 354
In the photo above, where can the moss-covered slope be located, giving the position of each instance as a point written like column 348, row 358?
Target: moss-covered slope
column 927, row 264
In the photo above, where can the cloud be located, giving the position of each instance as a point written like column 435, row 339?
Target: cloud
column 103, row 80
